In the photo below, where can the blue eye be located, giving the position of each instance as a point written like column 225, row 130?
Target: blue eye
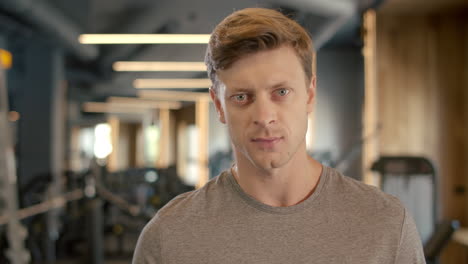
column 240, row 97
column 282, row 92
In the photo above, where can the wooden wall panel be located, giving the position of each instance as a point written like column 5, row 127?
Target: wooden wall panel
column 164, row 139
column 453, row 135
column 422, row 68
column 466, row 117
column 452, row 67
column 113, row 161
column 370, row 146
column 407, row 108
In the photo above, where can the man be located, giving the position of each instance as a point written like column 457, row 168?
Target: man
column 276, row 204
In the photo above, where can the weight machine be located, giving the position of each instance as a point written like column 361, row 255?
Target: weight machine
column 414, row 181
column 16, row 232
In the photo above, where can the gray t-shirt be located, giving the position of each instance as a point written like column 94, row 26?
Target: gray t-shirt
column 343, row 221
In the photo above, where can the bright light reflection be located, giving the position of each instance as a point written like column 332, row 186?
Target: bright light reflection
column 103, row 141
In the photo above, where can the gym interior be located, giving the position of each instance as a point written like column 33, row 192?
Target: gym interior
column 105, row 115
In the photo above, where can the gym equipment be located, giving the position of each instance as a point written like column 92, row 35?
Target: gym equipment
column 413, row 180
column 16, row 233
column 442, row 235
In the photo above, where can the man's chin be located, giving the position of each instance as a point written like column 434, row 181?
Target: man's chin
column 270, row 164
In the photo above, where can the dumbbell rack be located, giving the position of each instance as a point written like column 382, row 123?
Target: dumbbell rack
column 16, row 233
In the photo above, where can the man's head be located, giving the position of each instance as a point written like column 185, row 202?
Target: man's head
column 260, row 63
column 255, row 29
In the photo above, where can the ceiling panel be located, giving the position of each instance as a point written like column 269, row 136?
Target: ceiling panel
column 421, row 6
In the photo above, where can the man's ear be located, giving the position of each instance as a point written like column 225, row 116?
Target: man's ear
column 311, row 91
column 218, row 105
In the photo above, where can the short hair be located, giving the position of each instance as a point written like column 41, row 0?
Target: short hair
column 256, row 29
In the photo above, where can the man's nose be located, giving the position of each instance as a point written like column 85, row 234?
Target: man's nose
column 263, row 112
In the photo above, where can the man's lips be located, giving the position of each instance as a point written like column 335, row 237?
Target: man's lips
column 266, row 142
column 266, row 139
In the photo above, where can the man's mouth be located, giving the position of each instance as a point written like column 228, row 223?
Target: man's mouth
column 265, row 139
column 266, row 142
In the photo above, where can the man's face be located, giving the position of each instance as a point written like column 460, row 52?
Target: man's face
column 264, row 99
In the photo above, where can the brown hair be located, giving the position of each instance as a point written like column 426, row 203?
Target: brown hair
column 255, row 29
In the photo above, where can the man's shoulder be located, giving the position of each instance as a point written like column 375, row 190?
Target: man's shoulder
column 360, row 197
column 193, row 204
column 180, row 215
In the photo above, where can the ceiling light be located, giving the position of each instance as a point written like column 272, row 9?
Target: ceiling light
column 144, row 38
column 158, row 66
column 171, row 83
column 128, row 107
column 173, row 95
column 100, row 107
column 142, row 103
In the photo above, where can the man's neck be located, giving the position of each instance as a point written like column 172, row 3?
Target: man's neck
column 280, row 187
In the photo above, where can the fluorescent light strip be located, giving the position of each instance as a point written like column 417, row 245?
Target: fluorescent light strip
column 173, row 95
column 99, row 107
column 171, row 83
column 158, row 66
column 143, row 103
column 127, row 107
column 144, row 38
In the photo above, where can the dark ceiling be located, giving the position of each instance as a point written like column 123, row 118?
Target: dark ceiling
column 330, row 22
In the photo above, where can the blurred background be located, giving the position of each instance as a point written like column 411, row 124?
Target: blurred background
column 105, row 115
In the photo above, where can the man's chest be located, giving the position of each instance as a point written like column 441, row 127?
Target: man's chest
column 318, row 240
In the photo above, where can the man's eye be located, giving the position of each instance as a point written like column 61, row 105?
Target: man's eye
column 240, row 97
column 282, row 92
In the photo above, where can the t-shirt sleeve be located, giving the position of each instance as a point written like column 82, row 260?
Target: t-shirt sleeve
column 148, row 248
column 410, row 250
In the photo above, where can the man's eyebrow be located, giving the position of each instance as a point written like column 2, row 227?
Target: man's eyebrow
column 280, row 85
column 240, row 89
